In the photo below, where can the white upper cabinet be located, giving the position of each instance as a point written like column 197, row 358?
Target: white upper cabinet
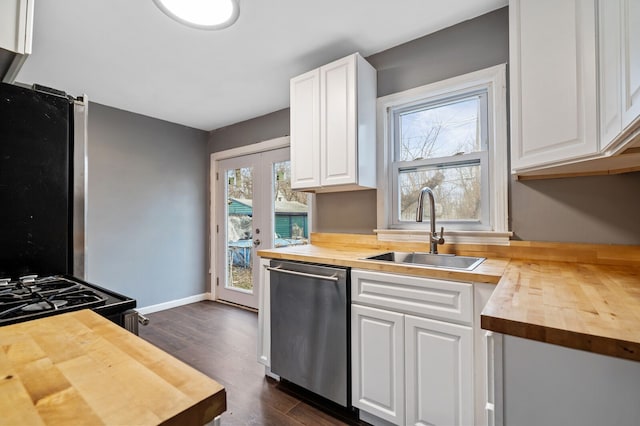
column 16, row 27
column 552, row 81
column 575, row 86
column 630, row 61
column 609, row 14
column 305, row 130
column 333, row 127
column 619, row 61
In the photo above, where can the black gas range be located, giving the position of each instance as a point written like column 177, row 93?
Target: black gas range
column 32, row 297
column 40, row 227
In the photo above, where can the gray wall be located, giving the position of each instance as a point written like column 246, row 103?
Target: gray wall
column 588, row 209
column 595, row 209
column 270, row 126
column 147, row 206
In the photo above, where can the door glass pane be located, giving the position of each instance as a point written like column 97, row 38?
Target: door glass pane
column 291, row 208
column 239, row 192
column 456, row 191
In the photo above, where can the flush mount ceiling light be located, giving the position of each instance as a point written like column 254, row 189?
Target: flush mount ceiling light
column 202, row 14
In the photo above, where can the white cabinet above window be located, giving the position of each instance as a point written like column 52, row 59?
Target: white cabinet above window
column 575, row 87
column 333, row 127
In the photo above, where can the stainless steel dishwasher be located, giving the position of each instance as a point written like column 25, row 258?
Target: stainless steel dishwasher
column 310, row 328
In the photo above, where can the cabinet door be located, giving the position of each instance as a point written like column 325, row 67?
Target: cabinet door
column 630, row 61
column 305, row 130
column 610, row 71
column 338, row 120
column 439, row 372
column 264, row 315
column 493, row 356
column 377, row 358
column 16, row 25
column 553, row 81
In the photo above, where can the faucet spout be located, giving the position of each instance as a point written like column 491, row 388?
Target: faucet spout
column 434, row 237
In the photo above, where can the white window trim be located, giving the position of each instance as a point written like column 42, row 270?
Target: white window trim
column 494, row 80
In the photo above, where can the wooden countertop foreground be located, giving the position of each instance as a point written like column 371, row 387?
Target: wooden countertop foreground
column 595, row 308
column 582, row 296
column 80, row 368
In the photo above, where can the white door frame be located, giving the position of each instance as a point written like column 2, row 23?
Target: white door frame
column 268, row 145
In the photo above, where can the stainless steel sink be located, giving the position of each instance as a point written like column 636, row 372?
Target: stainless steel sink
column 450, row 261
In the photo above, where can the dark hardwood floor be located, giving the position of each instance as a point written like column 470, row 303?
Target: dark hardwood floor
column 220, row 341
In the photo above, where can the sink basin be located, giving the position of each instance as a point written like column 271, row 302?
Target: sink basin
column 466, row 263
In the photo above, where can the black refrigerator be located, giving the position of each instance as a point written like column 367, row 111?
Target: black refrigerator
column 36, row 182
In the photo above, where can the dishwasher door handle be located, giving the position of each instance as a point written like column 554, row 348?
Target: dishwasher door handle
column 303, row 274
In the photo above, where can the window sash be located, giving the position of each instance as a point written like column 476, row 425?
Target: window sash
column 425, row 104
column 478, row 157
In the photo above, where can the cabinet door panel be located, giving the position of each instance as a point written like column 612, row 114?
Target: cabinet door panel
column 494, row 404
column 16, row 25
column 264, row 315
column 631, row 60
column 338, row 122
column 305, row 130
column 553, row 81
column 439, row 372
column 377, row 354
column 609, row 61
column 448, row 300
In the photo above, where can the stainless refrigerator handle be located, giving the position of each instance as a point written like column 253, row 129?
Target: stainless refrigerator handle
column 303, row 274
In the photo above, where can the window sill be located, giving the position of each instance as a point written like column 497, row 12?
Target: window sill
column 452, row 237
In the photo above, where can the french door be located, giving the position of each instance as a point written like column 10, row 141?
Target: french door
column 255, row 209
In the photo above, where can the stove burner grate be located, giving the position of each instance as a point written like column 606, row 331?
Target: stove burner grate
column 21, row 301
column 44, row 305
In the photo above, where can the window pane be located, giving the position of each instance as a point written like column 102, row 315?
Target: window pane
column 239, row 228
column 456, row 191
column 291, row 221
column 441, row 130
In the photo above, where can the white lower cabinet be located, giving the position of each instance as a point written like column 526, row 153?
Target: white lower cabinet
column 438, row 372
column 547, row 384
column 409, row 369
column 377, row 355
column 264, row 315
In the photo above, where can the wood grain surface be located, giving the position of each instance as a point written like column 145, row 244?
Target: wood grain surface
column 79, row 368
column 595, row 308
column 601, row 254
column 582, row 296
column 199, row 333
column 490, row 271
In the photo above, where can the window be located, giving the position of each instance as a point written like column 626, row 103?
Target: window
column 451, row 137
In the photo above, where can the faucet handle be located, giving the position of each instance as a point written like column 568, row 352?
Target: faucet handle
column 441, row 235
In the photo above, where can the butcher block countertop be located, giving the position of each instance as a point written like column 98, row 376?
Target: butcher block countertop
column 595, row 308
column 582, row 296
column 79, row 368
column 489, row 271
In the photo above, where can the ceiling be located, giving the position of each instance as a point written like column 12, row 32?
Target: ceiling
column 129, row 55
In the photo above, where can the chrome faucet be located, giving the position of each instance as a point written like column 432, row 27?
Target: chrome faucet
column 434, row 237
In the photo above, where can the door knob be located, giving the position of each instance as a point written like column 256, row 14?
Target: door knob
column 256, row 243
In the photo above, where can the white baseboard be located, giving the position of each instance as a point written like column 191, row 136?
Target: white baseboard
column 174, row 303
